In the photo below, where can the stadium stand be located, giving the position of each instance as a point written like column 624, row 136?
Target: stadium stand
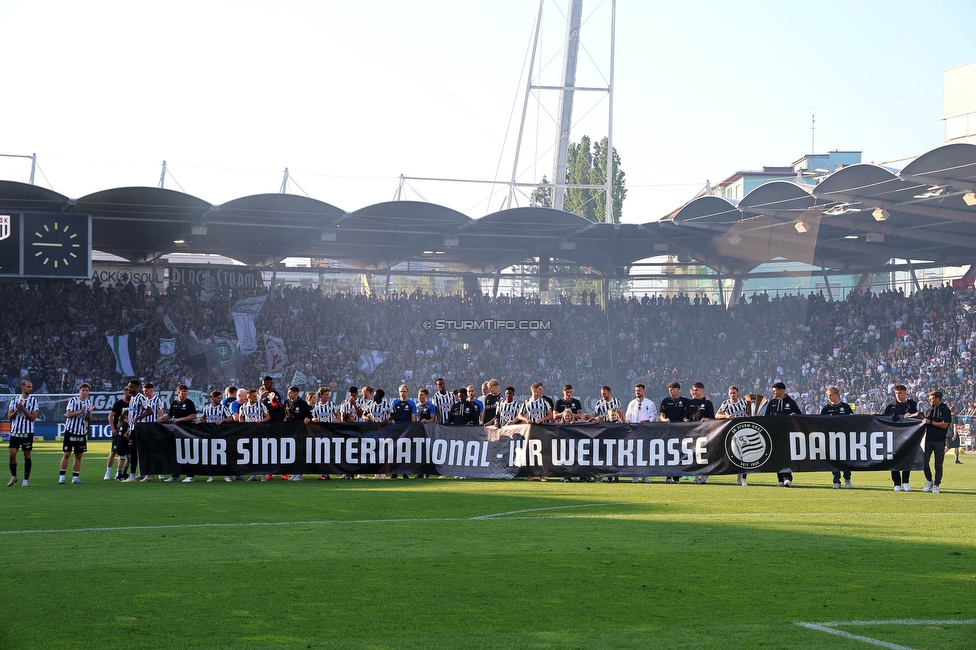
column 864, row 344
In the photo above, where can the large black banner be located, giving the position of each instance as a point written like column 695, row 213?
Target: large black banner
column 750, row 445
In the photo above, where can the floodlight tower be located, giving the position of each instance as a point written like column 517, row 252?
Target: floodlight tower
column 564, row 115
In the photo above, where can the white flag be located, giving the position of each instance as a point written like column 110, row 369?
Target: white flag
column 369, row 359
column 167, row 347
column 245, row 314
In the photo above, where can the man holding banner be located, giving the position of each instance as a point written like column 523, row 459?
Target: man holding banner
column 783, row 404
column 181, row 410
column 836, row 407
column 902, row 407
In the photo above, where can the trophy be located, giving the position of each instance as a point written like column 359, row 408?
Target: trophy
column 756, row 404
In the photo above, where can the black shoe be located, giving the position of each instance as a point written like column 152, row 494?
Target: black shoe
column 404, row 477
column 958, row 462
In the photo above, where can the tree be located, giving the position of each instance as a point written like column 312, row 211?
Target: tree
column 586, row 166
column 542, row 194
column 600, row 176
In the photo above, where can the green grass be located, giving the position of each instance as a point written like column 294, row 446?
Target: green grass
column 483, row 564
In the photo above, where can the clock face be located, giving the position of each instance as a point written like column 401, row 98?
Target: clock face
column 56, row 245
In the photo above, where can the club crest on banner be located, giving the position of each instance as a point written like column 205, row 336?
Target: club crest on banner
column 748, row 445
column 4, row 226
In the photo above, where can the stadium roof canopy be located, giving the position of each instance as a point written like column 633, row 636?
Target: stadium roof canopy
column 854, row 221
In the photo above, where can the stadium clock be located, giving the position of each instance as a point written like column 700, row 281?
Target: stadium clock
column 56, row 245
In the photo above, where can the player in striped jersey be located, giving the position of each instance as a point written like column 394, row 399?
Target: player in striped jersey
column 731, row 409
column 148, row 406
column 352, row 412
column 608, row 407
column 216, row 412
column 537, row 408
column 325, row 410
column 443, row 400
column 365, row 401
column 379, row 411
column 351, row 409
column 77, row 416
column 508, row 408
column 22, row 413
column 145, row 407
column 254, row 411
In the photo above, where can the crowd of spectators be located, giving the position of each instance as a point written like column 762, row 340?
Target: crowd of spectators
column 54, row 332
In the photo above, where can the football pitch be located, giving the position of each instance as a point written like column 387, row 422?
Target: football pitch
column 445, row 563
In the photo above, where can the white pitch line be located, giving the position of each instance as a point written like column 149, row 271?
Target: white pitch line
column 855, row 637
column 297, row 523
column 584, row 505
column 904, row 621
column 232, row 525
column 735, row 515
column 513, row 514
column 829, row 628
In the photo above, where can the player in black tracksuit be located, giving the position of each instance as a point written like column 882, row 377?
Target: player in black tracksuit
column 783, row 404
column 674, row 408
column 901, row 408
column 937, row 419
column 699, row 408
column 836, row 407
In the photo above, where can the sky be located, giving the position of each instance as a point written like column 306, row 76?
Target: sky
column 349, row 96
